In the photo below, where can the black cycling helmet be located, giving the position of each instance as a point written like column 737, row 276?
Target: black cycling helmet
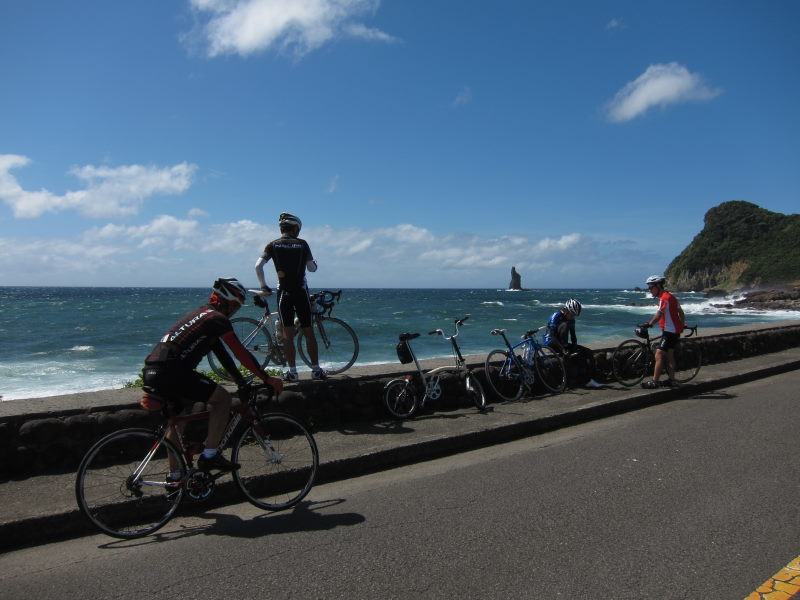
column 289, row 220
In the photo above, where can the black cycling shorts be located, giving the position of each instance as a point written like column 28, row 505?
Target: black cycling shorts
column 293, row 303
column 669, row 340
column 178, row 387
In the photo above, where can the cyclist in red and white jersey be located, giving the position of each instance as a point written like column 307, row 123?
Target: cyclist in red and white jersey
column 169, row 373
column 671, row 319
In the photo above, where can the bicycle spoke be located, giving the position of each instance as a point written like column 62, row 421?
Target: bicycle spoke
column 116, row 502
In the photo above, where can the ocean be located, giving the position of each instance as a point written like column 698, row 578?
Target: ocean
column 64, row 340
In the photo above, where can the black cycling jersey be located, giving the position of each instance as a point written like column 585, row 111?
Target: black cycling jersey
column 290, row 255
column 190, row 339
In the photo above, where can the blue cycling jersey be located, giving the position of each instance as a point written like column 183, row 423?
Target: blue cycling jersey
column 560, row 329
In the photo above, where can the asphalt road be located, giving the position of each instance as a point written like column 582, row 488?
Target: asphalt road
column 693, row 499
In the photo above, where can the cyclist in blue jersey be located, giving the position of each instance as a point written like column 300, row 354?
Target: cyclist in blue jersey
column 292, row 257
column 560, row 335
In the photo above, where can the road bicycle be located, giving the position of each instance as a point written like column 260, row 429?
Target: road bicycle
column 401, row 396
column 634, row 359
column 131, row 482
column 337, row 343
column 517, row 368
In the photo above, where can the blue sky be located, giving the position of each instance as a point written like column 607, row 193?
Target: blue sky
column 423, row 143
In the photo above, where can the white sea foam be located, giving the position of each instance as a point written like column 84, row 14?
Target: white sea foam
column 82, row 349
column 493, row 303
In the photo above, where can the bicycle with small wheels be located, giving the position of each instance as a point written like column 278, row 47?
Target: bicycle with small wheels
column 402, row 398
column 517, row 368
column 634, row 359
column 337, row 343
column 131, row 482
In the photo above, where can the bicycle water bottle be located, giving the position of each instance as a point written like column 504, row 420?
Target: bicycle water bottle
column 278, row 331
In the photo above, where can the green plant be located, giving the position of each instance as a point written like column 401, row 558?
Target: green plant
column 137, row 383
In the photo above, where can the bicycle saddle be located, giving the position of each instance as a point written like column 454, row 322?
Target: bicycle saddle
column 408, row 336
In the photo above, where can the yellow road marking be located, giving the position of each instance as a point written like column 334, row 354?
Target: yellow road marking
column 784, row 585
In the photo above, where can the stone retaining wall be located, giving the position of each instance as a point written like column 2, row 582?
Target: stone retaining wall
column 31, row 445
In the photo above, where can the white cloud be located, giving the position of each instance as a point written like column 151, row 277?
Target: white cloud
column 163, row 230
column 463, row 97
column 659, row 85
column 615, row 23
column 187, row 252
column 197, row 213
column 333, row 184
column 109, row 191
column 294, row 26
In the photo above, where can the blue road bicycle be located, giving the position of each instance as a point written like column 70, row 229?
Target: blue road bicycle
column 517, row 368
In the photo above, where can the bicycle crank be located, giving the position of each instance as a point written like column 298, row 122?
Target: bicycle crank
column 200, row 486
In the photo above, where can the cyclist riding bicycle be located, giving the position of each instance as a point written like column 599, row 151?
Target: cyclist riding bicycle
column 672, row 321
column 169, row 374
column 560, row 335
column 291, row 257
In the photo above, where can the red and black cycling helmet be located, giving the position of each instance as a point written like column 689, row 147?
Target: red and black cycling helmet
column 229, row 288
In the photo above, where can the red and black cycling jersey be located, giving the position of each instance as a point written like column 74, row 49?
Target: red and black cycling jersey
column 191, row 338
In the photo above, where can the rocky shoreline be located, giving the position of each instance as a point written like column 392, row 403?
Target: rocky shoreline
column 787, row 299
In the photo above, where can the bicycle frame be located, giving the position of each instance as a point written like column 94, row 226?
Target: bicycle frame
column 322, row 304
column 433, row 390
column 176, row 424
column 529, row 345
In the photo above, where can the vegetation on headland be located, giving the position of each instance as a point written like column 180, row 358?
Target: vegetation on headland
column 741, row 246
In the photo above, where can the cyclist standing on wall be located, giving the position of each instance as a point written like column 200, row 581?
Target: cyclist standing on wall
column 560, row 335
column 672, row 321
column 169, row 373
column 291, row 257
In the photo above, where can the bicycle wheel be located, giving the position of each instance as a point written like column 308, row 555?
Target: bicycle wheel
column 687, row 361
column 503, row 375
column 337, row 345
column 400, row 398
column 121, row 492
column 254, row 337
column 279, row 462
column 631, row 362
column 475, row 390
column 550, row 369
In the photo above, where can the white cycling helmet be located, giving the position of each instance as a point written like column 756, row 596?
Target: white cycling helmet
column 573, row 306
column 291, row 220
column 653, row 279
column 229, row 288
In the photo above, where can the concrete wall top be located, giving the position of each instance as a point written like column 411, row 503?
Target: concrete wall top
column 127, row 397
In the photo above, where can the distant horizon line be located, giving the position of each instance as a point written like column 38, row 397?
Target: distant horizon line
column 198, row 287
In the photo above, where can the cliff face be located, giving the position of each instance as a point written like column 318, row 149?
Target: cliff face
column 741, row 245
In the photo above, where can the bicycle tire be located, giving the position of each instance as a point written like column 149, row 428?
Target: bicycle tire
column 337, row 345
column 107, row 498
column 255, row 338
column 279, row 462
column 688, row 360
column 630, row 362
column 550, row 369
column 503, row 375
column 400, row 398
column 475, row 390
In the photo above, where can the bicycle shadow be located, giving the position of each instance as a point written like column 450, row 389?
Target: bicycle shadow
column 304, row 517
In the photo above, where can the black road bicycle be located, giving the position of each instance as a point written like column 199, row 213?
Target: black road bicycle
column 634, row 359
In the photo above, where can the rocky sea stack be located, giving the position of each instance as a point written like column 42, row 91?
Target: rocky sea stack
column 742, row 246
